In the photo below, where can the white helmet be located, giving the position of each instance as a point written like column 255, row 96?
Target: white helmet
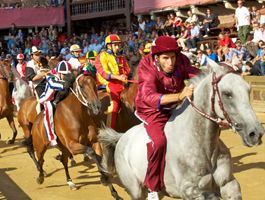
column 74, row 47
column 20, row 56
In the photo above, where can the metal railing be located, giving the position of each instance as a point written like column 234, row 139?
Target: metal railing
column 92, row 6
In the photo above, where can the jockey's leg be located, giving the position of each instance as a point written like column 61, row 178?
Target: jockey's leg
column 156, row 150
column 49, row 122
column 114, row 88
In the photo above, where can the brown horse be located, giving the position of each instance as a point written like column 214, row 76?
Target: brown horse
column 6, row 106
column 52, row 62
column 125, row 118
column 74, row 127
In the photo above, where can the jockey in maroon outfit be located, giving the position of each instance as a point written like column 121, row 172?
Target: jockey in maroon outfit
column 161, row 84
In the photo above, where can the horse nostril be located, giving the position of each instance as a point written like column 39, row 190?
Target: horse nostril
column 252, row 135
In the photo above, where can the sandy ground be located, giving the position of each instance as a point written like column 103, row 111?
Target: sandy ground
column 18, row 173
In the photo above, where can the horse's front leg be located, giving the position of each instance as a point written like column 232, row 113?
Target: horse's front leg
column 231, row 190
column 11, row 123
column 223, row 175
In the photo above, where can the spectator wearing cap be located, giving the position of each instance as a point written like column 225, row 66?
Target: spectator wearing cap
column 252, row 45
column 251, row 70
column 225, row 41
column 201, row 58
column 241, row 52
column 21, row 67
column 242, row 17
column 195, row 36
column 228, row 54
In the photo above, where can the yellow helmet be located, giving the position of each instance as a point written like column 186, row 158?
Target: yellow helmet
column 74, row 47
column 91, row 55
column 147, row 48
column 110, row 39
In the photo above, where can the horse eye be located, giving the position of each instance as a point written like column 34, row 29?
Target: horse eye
column 228, row 94
column 81, row 86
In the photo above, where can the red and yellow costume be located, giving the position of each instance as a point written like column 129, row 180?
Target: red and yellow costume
column 107, row 64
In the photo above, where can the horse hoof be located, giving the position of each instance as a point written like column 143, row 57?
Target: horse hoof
column 73, row 187
column 40, row 180
column 10, row 142
column 73, row 163
column 45, row 174
column 86, row 159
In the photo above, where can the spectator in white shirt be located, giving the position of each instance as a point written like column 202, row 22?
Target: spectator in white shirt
column 253, row 46
column 141, row 23
column 242, row 22
column 192, row 18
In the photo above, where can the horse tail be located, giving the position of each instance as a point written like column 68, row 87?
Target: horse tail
column 28, row 142
column 109, row 139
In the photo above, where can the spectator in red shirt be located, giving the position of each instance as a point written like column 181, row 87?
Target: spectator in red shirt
column 224, row 42
column 35, row 41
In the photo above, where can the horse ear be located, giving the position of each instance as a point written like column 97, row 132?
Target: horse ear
column 213, row 64
column 59, row 57
column 47, row 57
column 235, row 60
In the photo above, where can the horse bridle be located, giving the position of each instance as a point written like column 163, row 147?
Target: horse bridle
column 230, row 124
column 4, row 76
column 78, row 90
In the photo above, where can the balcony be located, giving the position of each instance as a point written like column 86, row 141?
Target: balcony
column 89, row 9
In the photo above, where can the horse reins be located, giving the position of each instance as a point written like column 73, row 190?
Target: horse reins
column 84, row 102
column 217, row 120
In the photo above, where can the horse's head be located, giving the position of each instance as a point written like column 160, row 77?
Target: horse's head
column 53, row 61
column 234, row 94
column 6, row 71
column 85, row 87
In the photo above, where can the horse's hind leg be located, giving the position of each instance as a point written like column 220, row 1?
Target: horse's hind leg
column 40, row 150
column 11, row 122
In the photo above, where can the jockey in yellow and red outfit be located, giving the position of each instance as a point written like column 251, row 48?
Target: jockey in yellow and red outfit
column 112, row 70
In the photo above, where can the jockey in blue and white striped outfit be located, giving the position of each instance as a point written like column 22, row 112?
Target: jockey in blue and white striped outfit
column 55, row 82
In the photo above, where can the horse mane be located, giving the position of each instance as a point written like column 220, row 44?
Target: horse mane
column 69, row 82
column 204, row 73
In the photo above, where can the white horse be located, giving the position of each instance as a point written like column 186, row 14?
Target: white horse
column 198, row 164
column 21, row 89
column 190, row 55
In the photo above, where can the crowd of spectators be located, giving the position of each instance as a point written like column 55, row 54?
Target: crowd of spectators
column 144, row 31
column 38, row 4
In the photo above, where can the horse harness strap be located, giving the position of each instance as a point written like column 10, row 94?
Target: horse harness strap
column 84, row 101
column 215, row 90
column 217, row 120
column 4, row 76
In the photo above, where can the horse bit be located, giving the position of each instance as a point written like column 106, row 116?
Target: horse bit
column 232, row 125
column 78, row 90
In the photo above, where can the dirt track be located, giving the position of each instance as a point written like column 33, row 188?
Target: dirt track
column 18, row 173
